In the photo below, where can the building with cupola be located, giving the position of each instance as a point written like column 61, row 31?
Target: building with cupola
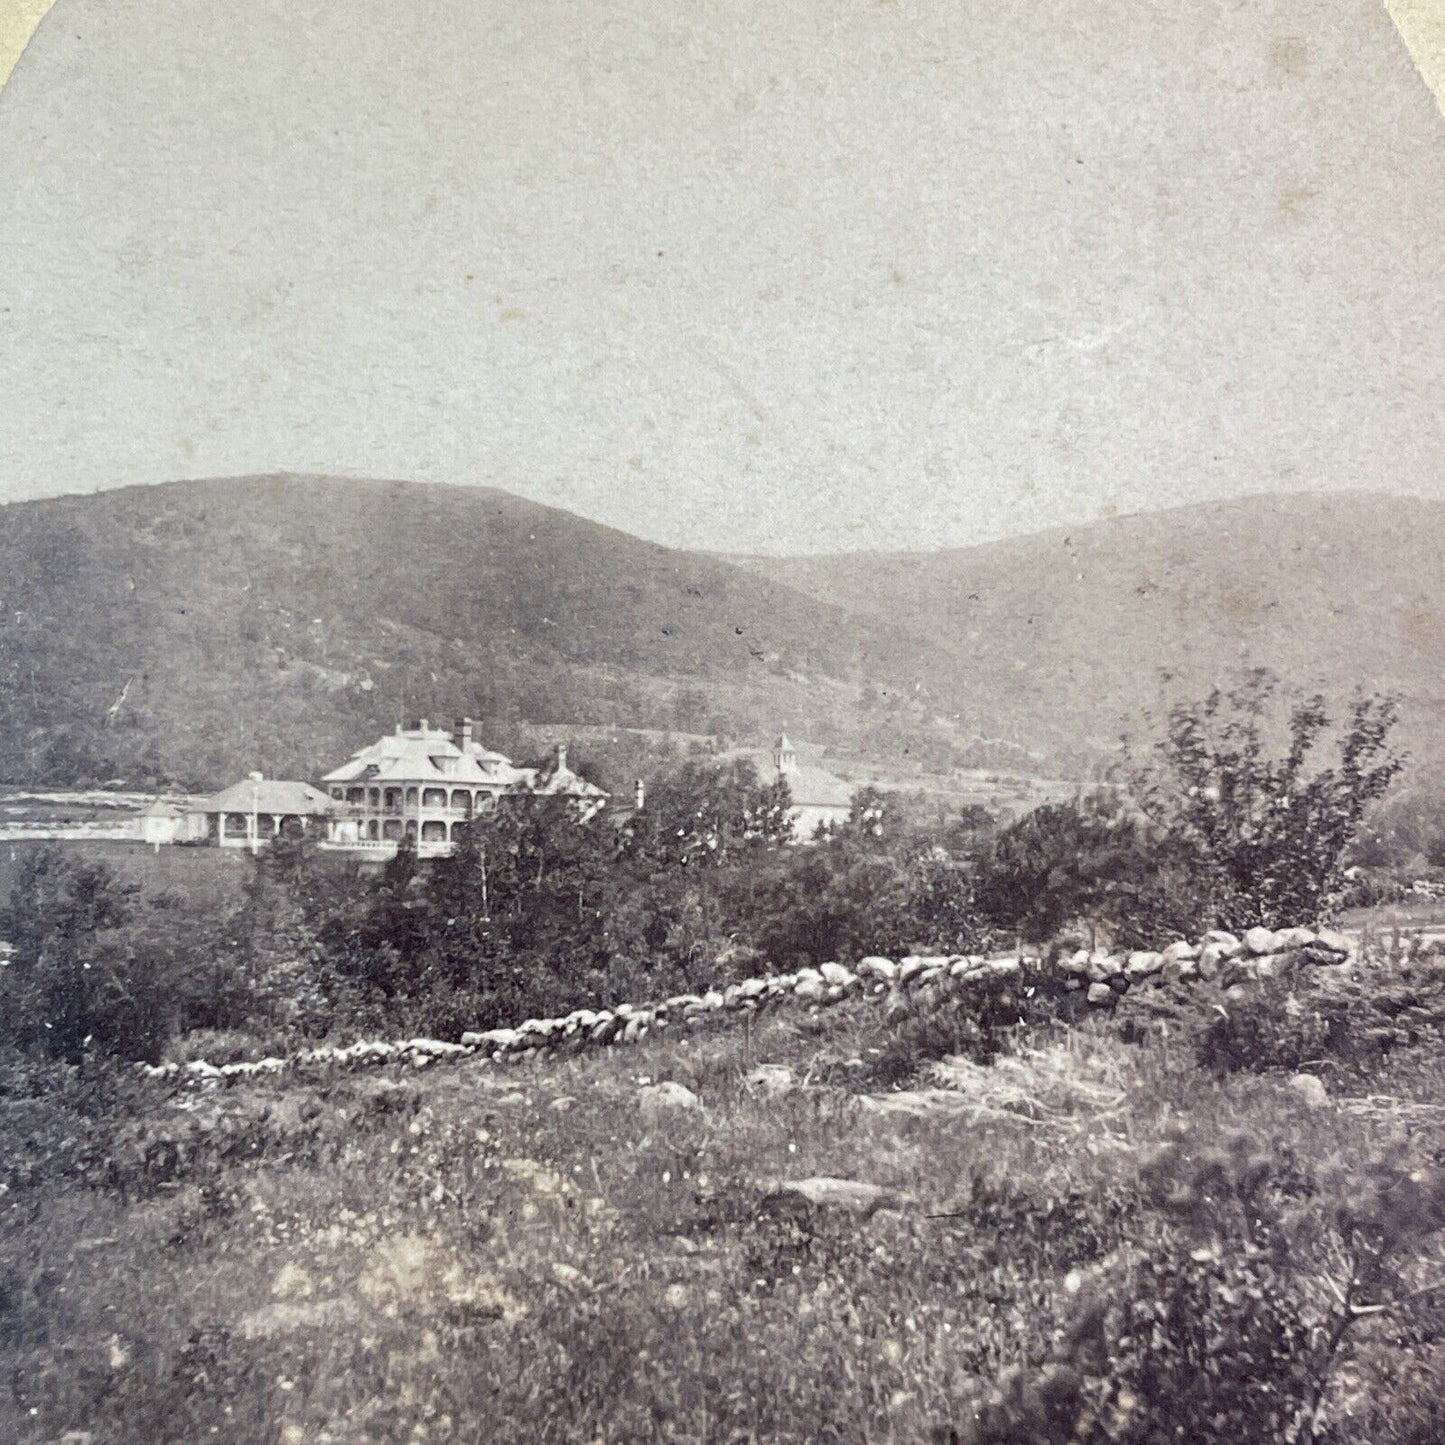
column 818, row 797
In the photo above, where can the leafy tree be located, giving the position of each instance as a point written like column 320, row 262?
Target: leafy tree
column 74, row 980
column 702, row 815
column 1266, row 826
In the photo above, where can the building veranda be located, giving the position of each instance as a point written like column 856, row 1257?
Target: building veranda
column 423, row 784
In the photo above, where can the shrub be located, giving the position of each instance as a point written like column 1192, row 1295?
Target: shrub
column 1230, row 1324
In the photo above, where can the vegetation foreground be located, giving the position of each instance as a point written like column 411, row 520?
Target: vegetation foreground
column 1118, row 1230
column 994, row 1218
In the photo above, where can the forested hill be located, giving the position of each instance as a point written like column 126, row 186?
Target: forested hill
column 190, row 630
column 1089, row 626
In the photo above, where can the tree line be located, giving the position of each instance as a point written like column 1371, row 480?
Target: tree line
column 1242, row 810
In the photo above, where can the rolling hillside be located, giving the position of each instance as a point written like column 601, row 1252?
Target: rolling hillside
column 187, row 632
column 191, row 630
column 1071, row 633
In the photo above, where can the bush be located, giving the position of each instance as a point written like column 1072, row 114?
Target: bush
column 75, row 981
column 1229, row 1325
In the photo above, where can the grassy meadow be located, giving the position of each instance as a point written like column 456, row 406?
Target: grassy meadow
column 1056, row 1244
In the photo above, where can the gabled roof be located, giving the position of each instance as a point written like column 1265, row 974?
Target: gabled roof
column 267, row 795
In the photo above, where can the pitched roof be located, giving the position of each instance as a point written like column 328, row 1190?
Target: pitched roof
column 423, row 755
column 810, row 786
column 162, row 808
column 817, row 788
column 562, row 780
column 266, row 795
column 430, row 755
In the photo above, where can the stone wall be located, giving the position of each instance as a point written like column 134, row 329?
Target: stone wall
column 899, row 985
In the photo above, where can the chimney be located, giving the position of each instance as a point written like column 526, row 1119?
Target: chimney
column 422, row 725
column 561, row 757
column 462, row 734
column 256, row 777
column 639, row 795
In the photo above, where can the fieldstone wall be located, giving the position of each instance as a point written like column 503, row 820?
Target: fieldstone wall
column 900, row 986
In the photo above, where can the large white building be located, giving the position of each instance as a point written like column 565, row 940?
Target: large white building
column 423, row 783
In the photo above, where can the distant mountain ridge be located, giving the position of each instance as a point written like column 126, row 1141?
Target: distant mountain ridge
column 1089, row 625
column 189, row 631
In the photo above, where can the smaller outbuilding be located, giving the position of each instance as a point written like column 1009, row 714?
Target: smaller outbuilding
column 165, row 821
column 258, row 809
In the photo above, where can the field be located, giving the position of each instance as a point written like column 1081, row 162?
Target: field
column 565, row 1251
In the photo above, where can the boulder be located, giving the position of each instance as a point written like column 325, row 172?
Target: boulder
column 1228, row 945
column 1212, row 958
column 882, row 969
column 1331, row 947
column 771, row 1079
column 997, row 968
column 1259, row 941
column 1142, row 964
column 810, row 990
column 851, row 1195
column 635, row 1028
column 666, row 1097
column 1103, row 966
column 1296, row 937
column 1310, row 1091
column 1177, row 952
column 909, row 968
column 835, row 975
column 1077, row 963
column 1101, row 994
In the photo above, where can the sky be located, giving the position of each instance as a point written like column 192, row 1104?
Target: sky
column 747, row 275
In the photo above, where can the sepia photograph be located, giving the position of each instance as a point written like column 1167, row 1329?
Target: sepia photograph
column 722, row 723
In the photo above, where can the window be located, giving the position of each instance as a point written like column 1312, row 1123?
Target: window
column 391, row 830
column 433, row 831
column 356, row 795
column 391, row 800
column 434, row 798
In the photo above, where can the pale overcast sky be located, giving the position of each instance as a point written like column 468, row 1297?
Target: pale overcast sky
column 760, row 275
